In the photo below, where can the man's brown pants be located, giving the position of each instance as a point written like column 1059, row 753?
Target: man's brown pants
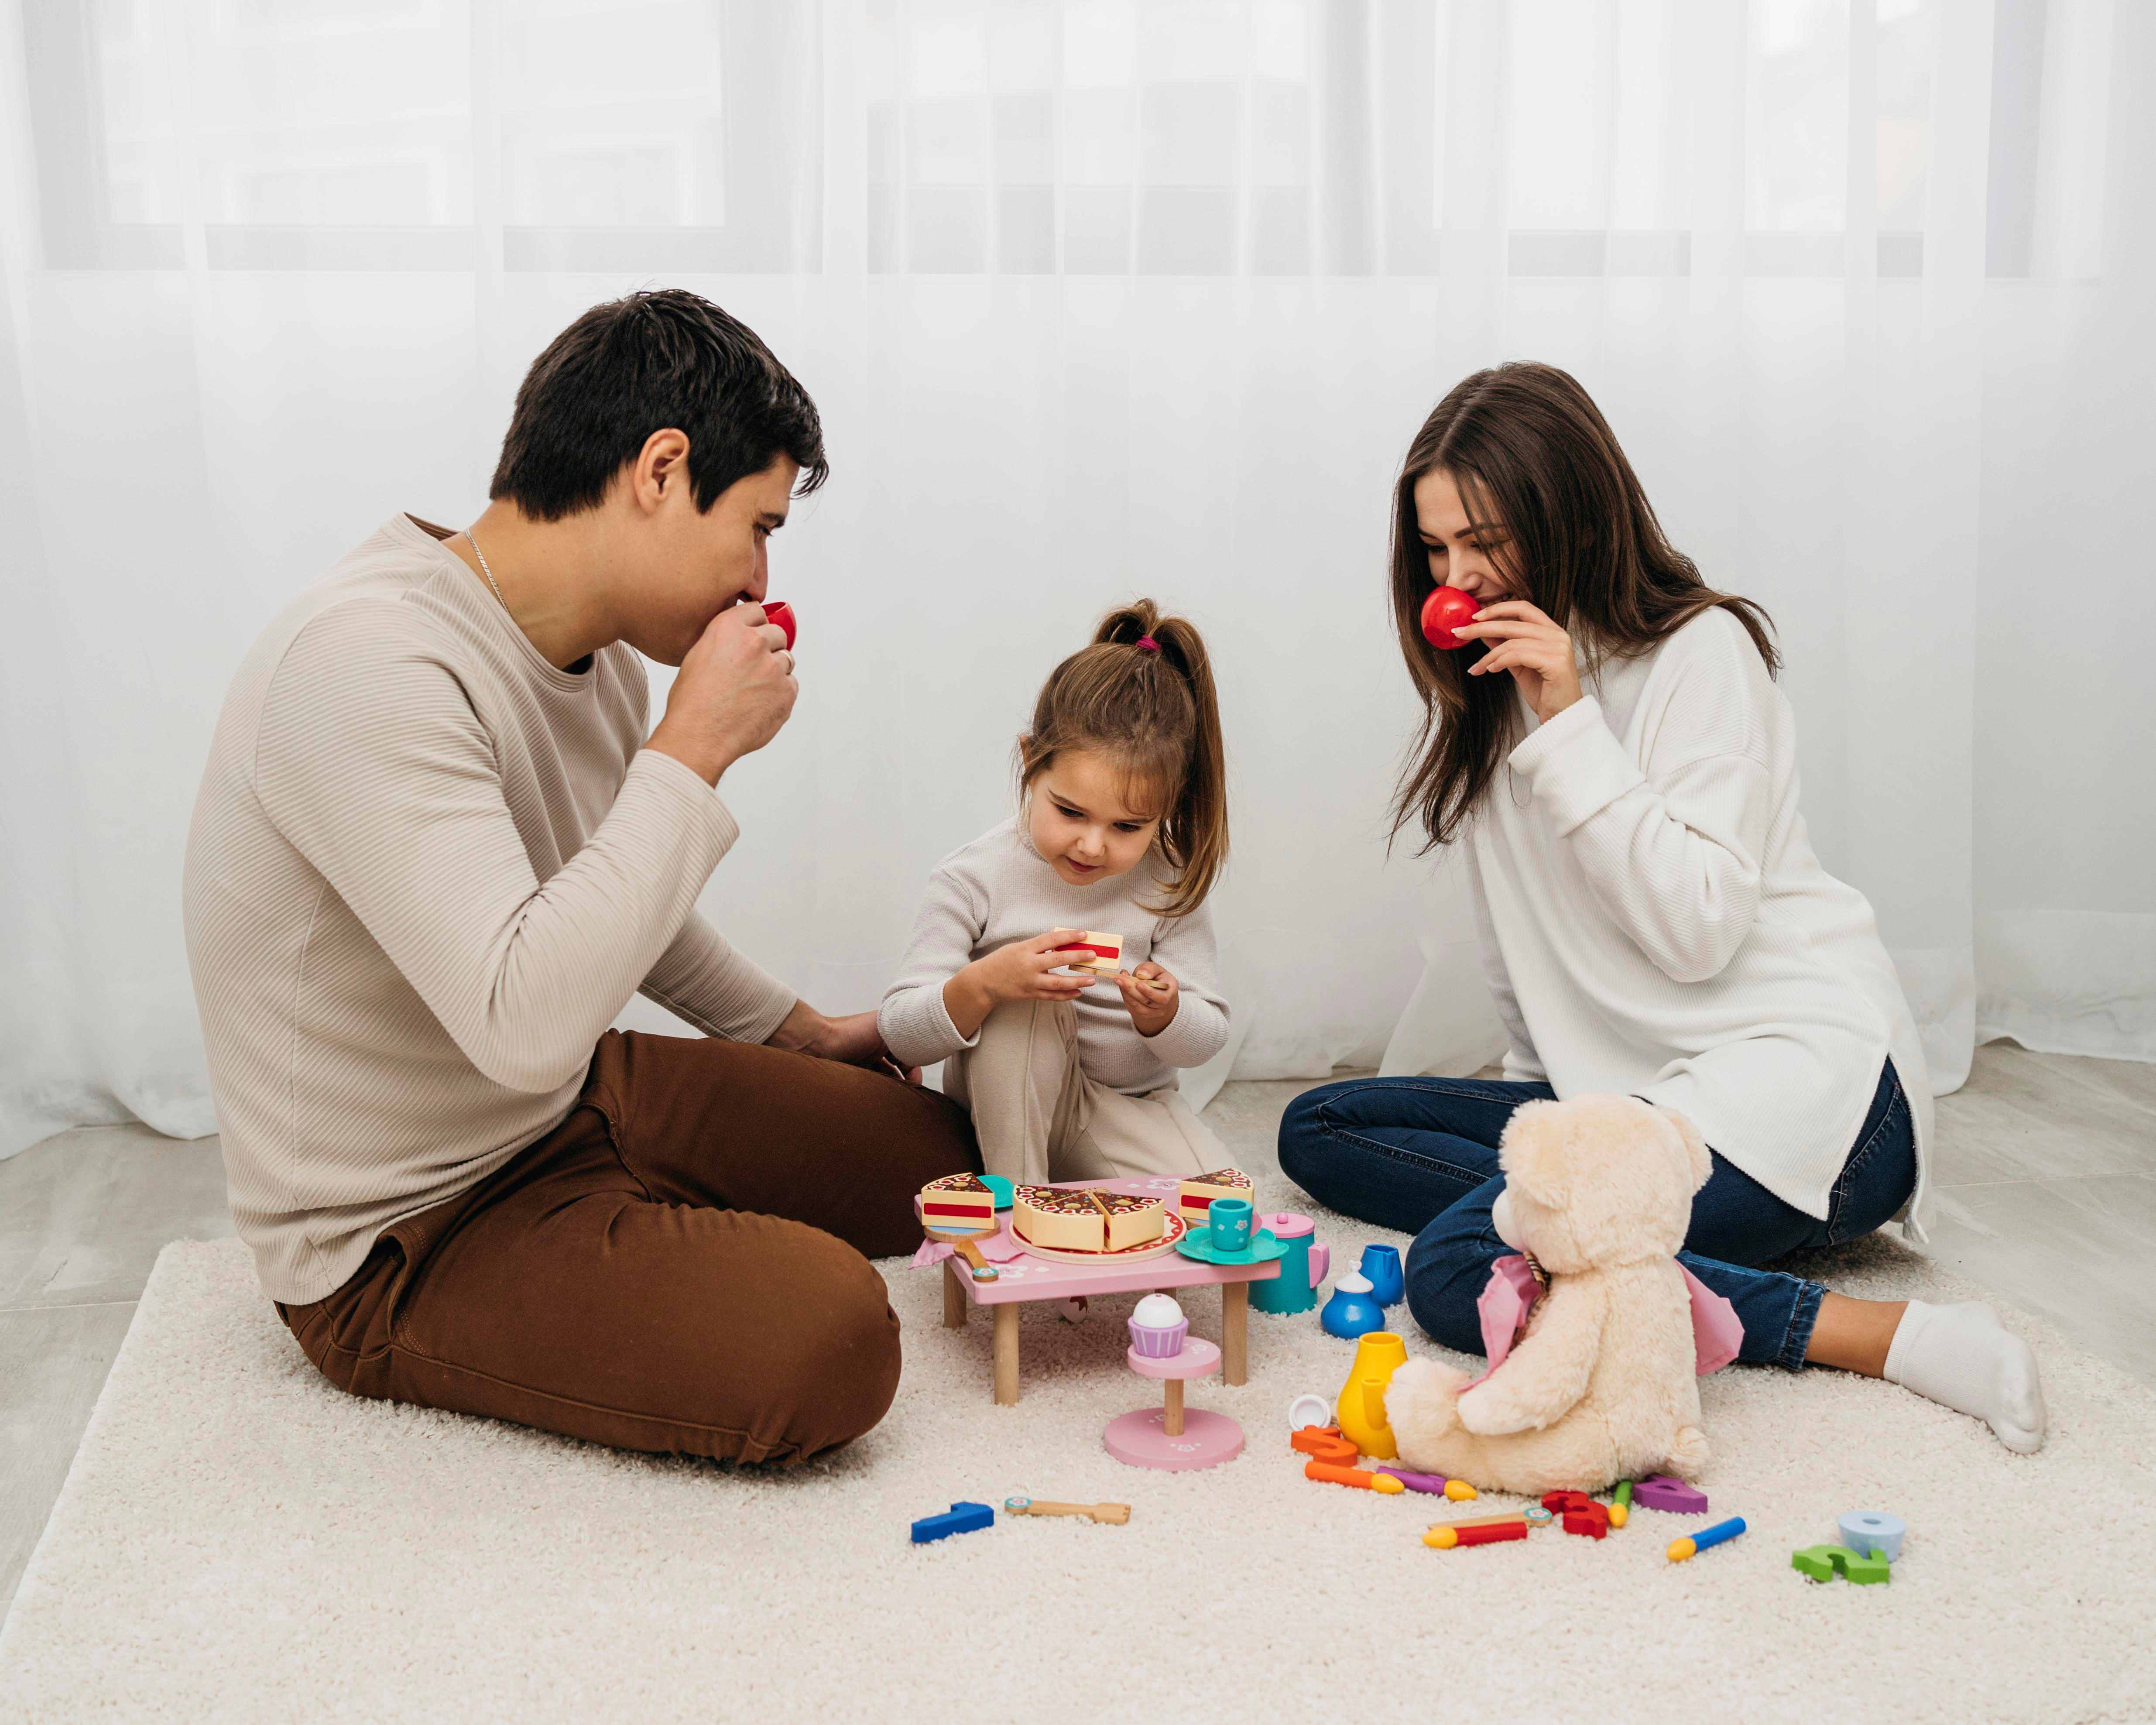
column 677, row 1267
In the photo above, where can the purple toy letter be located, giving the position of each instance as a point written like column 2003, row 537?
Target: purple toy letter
column 1658, row 1491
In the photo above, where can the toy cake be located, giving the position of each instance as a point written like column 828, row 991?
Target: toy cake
column 958, row 1203
column 1065, row 1220
column 1102, row 954
column 1196, row 1196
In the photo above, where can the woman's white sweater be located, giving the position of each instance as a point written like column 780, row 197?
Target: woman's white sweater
column 1653, row 921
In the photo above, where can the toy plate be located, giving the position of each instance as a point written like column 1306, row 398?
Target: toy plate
column 1263, row 1247
column 1176, row 1227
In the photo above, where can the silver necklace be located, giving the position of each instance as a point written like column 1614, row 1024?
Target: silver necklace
column 485, row 571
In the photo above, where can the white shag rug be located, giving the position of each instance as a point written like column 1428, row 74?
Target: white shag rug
column 239, row 1541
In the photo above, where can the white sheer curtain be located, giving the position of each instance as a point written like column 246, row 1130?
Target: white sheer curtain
column 1103, row 297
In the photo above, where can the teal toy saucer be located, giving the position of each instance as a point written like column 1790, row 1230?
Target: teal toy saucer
column 1002, row 1188
column 1263, row 1247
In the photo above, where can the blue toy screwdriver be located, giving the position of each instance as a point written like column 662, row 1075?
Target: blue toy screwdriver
column 1680, row 1549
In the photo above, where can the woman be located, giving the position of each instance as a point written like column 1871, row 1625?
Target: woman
column 1612, row 751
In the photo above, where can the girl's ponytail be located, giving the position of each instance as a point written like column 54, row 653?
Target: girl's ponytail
column 1143, row 692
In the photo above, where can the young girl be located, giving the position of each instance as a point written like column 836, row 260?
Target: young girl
column 1612, row 751
column 1121, row 828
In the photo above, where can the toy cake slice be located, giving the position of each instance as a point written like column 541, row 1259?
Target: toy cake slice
column 958, row 1203
column 1062, row 1220
column 1194, row 1200
column 1131, row 1220
column 1066, row 1220
column 1102, row 954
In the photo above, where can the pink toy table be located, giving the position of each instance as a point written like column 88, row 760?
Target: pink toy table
column 1026, row 1277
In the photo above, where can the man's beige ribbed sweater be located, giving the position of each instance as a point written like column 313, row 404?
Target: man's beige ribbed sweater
column 427, row 869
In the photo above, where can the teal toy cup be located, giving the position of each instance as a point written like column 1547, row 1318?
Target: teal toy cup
column 1230, row 1219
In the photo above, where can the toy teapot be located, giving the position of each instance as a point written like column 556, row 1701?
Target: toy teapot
column 1295, row 1289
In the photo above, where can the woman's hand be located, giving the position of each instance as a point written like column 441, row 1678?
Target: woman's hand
column 1150, row 996
column 1024, row 970
column 1536, row 652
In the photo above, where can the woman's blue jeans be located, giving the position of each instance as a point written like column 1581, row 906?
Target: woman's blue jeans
column 1420, row 1155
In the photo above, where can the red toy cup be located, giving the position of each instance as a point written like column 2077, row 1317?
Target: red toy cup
column 1445, row 610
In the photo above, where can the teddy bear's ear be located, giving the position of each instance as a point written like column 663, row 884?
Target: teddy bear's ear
column 1531, row 1152
column 1702, row 1159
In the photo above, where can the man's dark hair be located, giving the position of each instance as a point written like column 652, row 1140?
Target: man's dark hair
column 657, row 359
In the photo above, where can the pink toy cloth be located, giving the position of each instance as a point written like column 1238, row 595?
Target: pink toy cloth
column 997, row 1248
column 1509, row 1295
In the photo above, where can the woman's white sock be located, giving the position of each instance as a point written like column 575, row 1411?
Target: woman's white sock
column 1961, row 1356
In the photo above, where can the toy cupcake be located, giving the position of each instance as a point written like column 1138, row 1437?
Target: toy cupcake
column 1158, row 1327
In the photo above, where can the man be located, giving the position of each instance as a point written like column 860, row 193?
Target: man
column 433, row 855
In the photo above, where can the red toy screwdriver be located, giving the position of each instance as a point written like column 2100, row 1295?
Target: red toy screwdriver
column 1444, row 611
column 1492, row 1531
column 780, row 616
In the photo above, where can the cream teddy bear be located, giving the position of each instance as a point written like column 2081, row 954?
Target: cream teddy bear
column 1603, row 1386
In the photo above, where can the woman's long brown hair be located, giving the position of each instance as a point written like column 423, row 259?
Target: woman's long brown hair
column 1153, row 711
column 1527, row 447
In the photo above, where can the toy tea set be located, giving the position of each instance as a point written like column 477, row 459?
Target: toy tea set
column 1868, row 1541
column 1001, row 1246
column 1597, row 1199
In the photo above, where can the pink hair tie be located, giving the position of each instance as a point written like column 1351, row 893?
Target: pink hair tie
column 1146, row 644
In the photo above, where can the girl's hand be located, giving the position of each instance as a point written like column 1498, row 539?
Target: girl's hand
column 1024, row 970
column 1536, row 652
column 1150, row 995
column 1032, row 970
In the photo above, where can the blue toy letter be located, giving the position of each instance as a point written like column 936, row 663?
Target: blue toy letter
column 962, row 1517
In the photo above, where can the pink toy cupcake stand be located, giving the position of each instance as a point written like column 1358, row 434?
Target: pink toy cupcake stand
column 1171, row 1437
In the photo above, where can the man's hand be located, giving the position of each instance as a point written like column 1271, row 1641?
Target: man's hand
column 1526, row 643
column 1150, row 996
column 1024, row 970
column 853, row 1040
column 733, row 691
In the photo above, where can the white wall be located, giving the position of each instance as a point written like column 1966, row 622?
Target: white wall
column 1864, row 296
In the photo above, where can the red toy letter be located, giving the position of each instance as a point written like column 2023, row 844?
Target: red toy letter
column 1582, row 1513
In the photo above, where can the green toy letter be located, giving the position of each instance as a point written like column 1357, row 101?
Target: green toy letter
column 1822, row 1562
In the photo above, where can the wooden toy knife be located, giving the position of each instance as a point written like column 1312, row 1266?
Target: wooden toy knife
column 1117, row 1513
column 967, row 1246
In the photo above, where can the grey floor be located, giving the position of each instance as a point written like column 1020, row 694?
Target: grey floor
column 2045, row 1166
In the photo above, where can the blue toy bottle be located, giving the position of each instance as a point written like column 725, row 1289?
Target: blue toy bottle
column 1351, row 1311
column 1381, row 1264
